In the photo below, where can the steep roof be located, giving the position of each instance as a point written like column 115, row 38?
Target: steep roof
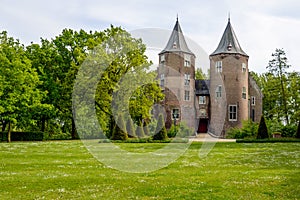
column 177, row 42
column 229, row 43
column 202, row 87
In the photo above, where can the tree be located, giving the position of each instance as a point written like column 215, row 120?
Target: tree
column 277, row 67
column 298, row 131
column 161, row 131
column 140, row 131
column 119, row 132
column 262, row 132
column 200, row 75
column 19, row 95
column 130, row 128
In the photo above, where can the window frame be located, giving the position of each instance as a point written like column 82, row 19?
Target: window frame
column 187, row 79
column 219, row 91
column 177, row 113
column 244, row 67
column 244, row 93
column 202, row 100
column 219, row 66
column 253, row 100
column 232, row 113
column 186, row 95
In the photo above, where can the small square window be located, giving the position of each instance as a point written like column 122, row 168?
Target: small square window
column 175, row 113
column 202, row 100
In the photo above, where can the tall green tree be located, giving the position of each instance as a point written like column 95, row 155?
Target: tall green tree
column 278, row 69
column 161, row 131
column 19, row 94
column 200, row 75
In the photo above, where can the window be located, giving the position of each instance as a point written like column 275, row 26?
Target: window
column 219, row 66
column 162, row 59
column 219, row 91
column 244, row 96
column 174, row 45
column 187, row 60
column 244, row 68
column 232, row 113
column 175, row 113
column 253, row 115
column 253, row 100
column 186, row 95
column 162, row 80
column 187, row 79
column 202, row 100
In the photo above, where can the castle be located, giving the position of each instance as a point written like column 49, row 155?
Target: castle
column 212, row 106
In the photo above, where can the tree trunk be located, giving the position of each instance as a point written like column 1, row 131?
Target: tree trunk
column 43, row 124
column 3, row 125
column 73, row 133
column 9, row 132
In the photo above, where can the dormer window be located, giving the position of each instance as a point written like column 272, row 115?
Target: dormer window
column 174, row 45
column 229, row 47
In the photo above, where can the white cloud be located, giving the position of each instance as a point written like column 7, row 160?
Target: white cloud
column 261, row 26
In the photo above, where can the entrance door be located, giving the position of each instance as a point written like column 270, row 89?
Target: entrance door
column 202, row 128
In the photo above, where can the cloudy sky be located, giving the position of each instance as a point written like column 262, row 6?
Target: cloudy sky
column 260, row 25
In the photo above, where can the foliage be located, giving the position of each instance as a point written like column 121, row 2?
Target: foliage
column 119, row 132
column 146, row 130
column 269, row 140
column 248, row 130
column 262, row 132
column 200, row 75
column 298, row 130
column 24, row 136
column 173, row 131
column 281, row 90
column 161, row 131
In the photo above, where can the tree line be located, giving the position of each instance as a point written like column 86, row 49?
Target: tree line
column 36, row 81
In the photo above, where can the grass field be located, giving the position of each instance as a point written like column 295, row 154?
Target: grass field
column 66, row 170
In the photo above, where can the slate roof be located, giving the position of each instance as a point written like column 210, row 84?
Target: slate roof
column 177, row 42
column 229, row 43
column 202, row 87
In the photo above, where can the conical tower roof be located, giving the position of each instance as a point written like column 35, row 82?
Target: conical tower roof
column 229, row 43
column 177, row 42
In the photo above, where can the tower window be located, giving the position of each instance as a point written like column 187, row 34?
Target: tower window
column 202, row 100
column 219, row 91
column 187, row 79
column 162, row 80
column 187, row 60
column 162, row 59
column 186, row 95
column 244, row 93
column 232, row 113
column 244, row 68
column 219, row 66
column 253, row 100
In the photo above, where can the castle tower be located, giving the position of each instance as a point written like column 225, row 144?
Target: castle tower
column 176, row 72
column 228, row 84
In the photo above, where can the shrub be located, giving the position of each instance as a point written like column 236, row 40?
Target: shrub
column 172, row 131
column 288, row 131
column 24, row 136
column 184, row 130
column 146, row 130
column 262, row 132
column 161, row 132
column 248, row 130
column 119, row 132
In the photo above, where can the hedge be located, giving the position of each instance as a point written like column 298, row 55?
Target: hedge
column 271, row 140
column 24, row 136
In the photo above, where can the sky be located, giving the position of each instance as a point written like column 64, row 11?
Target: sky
column 260, row 26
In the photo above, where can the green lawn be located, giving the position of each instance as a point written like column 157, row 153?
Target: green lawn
column 66, row 170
